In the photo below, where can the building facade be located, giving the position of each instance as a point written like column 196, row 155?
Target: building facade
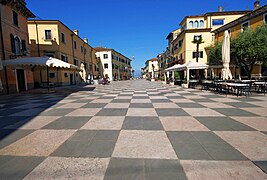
column 115, row 65
column 54, row 39
column 252, row 20
column 152, row 69
column 14, row 44
column 182, row 49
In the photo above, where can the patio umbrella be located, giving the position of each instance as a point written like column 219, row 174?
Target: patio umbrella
column 226, row 73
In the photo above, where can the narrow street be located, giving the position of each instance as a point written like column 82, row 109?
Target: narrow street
column 133, row 130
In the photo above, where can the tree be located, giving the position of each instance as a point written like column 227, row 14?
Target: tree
column 215, row 54
column 249, row 47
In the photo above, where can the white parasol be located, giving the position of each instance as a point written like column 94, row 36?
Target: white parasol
column 226, row 73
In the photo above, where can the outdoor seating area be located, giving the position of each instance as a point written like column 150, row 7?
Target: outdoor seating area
column 237, row 87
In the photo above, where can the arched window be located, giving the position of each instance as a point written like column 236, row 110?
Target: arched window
column 196, row 24
column 190, row 25
column 201, row 23
column 17, row 45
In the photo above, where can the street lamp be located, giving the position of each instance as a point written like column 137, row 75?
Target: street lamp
column 133, row 58
column 197, row 40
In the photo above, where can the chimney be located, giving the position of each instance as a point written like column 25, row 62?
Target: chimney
column 76, row 32
column 85, row 40
column 256, row 5
column 220, row 9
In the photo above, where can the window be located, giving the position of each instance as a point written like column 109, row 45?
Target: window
column 212, row 37
column 64, row 58
column 75, row 62
column 105, row 56
column 52, row 75
column 190, row 25
column 85, row 66
column 181, row 56
column 106, row 66
column 75, row 45
column 113, row 66
column 23, row 47
column 265, row 18
column 63, row 38
column 15, row 18
column 201, row 23
column 245, row 26
column 48, row 34
column 84, row 49
column 91, row 67
column 180, row 43
column 17, row 46
column 196, row 24
column 81, row 49
column 65, row 74
column 217, row 22
column 95, row 68
column 200, row 54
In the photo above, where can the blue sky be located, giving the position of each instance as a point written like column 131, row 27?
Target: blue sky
column 133, row 27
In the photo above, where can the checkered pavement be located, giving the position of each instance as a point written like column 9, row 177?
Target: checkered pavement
column 133, row 130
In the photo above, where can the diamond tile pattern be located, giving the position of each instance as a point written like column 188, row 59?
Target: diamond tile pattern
column 133, row 130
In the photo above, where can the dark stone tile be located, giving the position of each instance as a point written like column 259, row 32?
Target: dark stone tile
column 223, row 124
column 241, row 104
column 9, row 136
column 265, row 132
column 262, row 165
column 203, row 100
column 83, row 135
column 190, row 151
column 14, row 167
column 120, row 168
column 94, row 105
column 163, row 169
column 233, row 112
column 57, row 112
column 140, row 97
column 12, row 120
column 223, row 151
column 190, row 105
column 106, row 135
column 141, row 105
column 175, row 97
column 106, row 97
column 206, row 137
column 121, row 101
column 112, row 112
column 142, row 123
column 71, row 148
column 67, row 123
column 99, row 148
column 180, row 136
column 171, row 112
column 160, row 100
column 83, row 101
column 6, row 112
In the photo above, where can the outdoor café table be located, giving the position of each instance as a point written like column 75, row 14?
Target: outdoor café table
column 237, row 86
column 206, row 84
column 261, row 86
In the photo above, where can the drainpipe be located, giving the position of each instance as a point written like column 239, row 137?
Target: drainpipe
column 3, row 50
column 73, row 56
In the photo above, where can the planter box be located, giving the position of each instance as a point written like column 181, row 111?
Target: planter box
column 172, row 83
column 185, row 85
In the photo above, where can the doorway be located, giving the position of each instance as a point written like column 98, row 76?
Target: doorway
column 71, row 79
column 21, row 80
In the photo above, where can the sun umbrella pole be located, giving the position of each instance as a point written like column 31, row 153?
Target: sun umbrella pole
column 47, row 69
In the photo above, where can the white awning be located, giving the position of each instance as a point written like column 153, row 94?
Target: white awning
column 40, row 61
column 174, row 67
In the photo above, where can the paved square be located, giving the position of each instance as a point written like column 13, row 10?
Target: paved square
column 133, row 129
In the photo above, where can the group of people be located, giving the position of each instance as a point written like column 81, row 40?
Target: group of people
column 105, row 80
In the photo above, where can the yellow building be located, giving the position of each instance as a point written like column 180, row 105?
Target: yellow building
column 14, row 44
column 54, row 39
column 181, row 47
column 254, row 19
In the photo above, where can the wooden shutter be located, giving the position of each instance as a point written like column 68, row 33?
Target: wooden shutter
column 12, row 40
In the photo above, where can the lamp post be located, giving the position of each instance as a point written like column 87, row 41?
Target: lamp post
column 197, row 40
column 133, row 58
